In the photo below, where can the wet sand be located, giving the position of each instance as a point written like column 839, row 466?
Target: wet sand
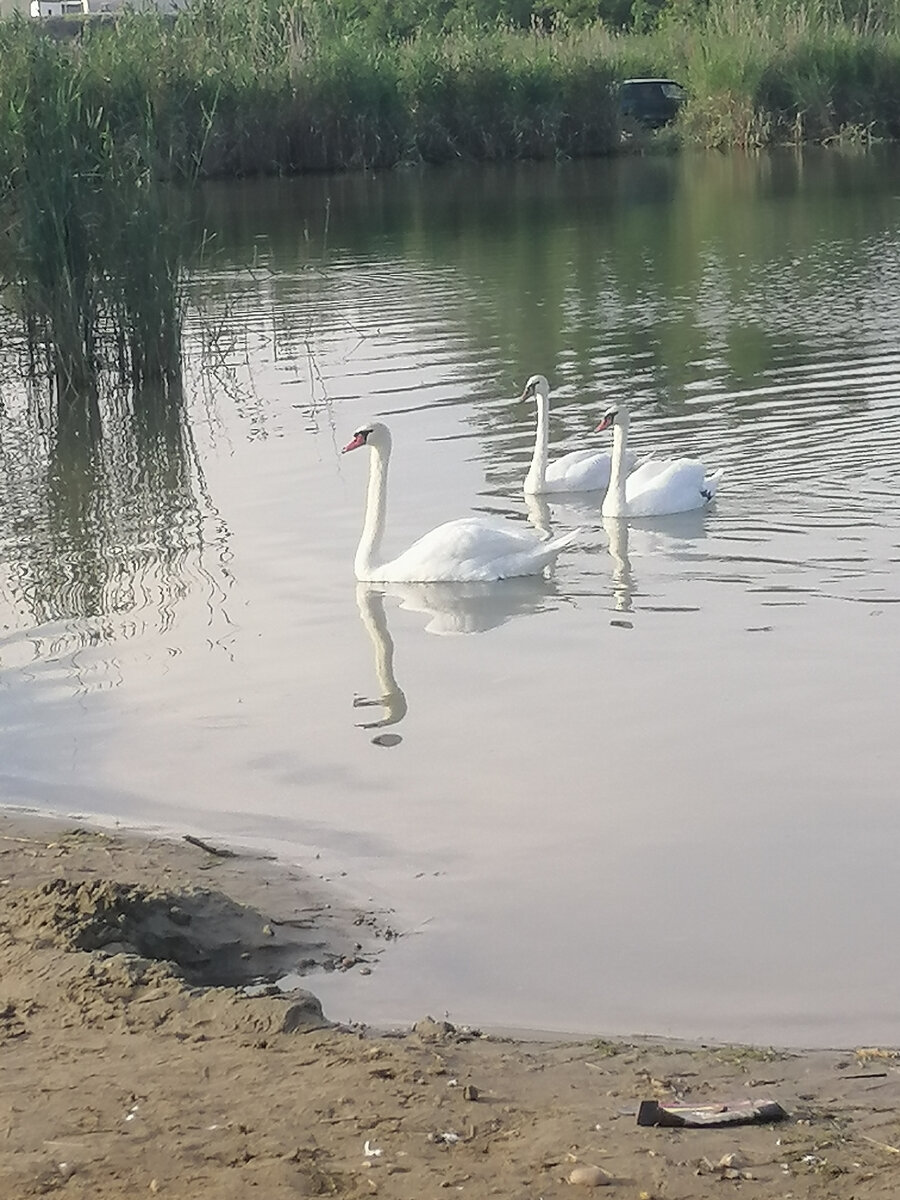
column 123, row 1074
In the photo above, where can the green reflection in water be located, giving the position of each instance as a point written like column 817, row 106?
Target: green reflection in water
column 99, row 513
column 670, row 268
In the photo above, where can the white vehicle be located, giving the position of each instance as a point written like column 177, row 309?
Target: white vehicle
column 69, row 8
column 58, row 8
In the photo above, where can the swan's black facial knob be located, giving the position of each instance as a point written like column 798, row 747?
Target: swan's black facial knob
column 608, row 419
column 534, row 387
column 359, row 439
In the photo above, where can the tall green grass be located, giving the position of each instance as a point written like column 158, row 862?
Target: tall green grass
column 237, row 89
column 267, row 86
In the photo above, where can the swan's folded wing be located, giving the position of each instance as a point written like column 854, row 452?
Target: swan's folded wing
column 577, row 458
column 646, row 471
column 471, row 548
column 678, row 485
column 582, row 470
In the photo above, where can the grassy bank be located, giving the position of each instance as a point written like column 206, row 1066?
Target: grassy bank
column 232, row 89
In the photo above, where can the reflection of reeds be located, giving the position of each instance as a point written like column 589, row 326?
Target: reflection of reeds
column 94, row 264
column 99, row 506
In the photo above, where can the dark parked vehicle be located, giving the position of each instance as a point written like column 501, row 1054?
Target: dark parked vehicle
column 651, row 102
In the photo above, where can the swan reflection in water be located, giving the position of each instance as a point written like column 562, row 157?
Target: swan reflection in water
column 622, row 575
column 673, row 536
column 392, row 699
column 451, row 608
column 585, row 508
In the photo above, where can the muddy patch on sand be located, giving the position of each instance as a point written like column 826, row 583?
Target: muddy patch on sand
column 208, row 938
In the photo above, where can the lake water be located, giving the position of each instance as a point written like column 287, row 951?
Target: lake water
column 656, row 792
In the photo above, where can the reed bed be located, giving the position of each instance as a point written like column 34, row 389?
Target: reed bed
column 93, row 263
column 278, row 86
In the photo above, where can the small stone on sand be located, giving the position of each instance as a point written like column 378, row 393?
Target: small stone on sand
column 589, row 1176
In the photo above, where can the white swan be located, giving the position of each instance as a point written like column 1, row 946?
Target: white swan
column 658, row 486
column 580, row 471
column 464, row 551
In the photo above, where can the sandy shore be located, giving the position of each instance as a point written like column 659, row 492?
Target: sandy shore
column 122, row 1075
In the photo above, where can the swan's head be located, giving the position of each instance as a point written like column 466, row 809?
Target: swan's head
column 373, row 434
column 617, row 414
column 537, row 385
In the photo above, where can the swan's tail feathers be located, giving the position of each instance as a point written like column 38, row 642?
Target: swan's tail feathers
column 564, row 539
column 711, row 483
column 533, row 561
column 551, row 548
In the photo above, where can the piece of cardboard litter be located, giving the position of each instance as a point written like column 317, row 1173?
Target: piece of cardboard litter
column 732, row 1112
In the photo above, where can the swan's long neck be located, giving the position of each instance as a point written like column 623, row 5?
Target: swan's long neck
column 538, row 512
column 368, row 552
column 537, row 472
column 615, row 504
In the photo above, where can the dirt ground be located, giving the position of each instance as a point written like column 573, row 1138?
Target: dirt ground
column 122, row 1075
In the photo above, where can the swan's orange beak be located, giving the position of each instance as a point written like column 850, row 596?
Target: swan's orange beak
column 357, row 440
column 604, row 424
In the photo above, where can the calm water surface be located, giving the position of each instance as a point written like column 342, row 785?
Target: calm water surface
column 656, row 792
